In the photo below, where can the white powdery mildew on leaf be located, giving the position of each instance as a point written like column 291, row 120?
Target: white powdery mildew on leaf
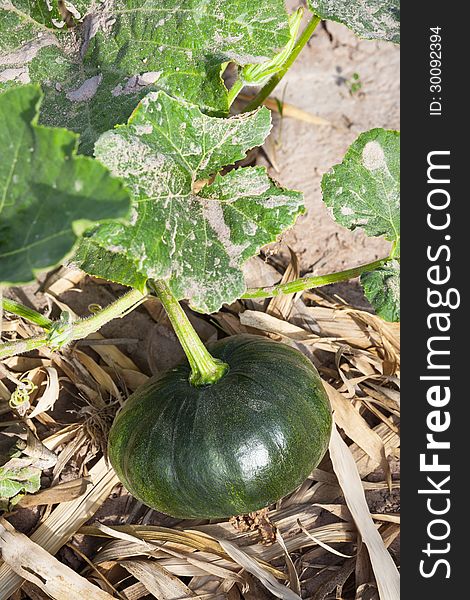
column 278, row 201
column 363, row 191
column 136, row 83
column 134, row 46
column 131, row 159
column 370, row 19
column 214, row 215
column 188, row 227
column 373, row 156
column 393, row 283
column 382, row 288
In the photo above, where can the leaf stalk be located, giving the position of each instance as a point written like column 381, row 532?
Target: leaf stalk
column 275, row 79
column 306, row 283
column 27, row 313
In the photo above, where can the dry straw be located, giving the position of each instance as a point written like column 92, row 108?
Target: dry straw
column 325, row 542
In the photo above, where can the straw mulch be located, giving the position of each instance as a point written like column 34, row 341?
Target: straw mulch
column 85, row 537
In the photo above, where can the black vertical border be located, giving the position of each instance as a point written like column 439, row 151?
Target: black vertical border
column 422, row 133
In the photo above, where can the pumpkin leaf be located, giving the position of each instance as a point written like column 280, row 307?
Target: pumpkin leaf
column 382, row 289
column 188, row 227
column 48, row 194
column 364, row 191
column 369, row 19
column 18, row 476
column 94, row 74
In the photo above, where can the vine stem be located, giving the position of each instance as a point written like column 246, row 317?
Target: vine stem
column 275, row 79
column 78, row 330
column 26, row 313
column 205, row 369
column 306, row 283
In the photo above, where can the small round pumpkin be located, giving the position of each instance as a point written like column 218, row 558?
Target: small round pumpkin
column 228, row 448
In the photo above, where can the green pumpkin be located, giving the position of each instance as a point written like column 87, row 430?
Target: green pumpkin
column 228, row 448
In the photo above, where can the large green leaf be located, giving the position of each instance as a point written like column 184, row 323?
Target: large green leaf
column 188, row 228
column 364, row 190
column 94, row 74
column 48, row 195
column 370, row 19
column 382, row 289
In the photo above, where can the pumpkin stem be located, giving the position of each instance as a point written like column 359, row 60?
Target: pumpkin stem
column 205, row 369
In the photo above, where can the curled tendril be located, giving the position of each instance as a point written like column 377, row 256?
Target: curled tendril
column 20, row 397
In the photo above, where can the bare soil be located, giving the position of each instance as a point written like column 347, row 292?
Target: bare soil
column 320, row 82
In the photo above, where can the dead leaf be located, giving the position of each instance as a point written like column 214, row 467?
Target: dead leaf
column 386, row 573
column 31, row 562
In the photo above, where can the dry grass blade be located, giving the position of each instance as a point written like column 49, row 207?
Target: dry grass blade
column 136, row 591
column 184, row 563
column 385, row 571
column 58, row 282
column 379, row 414
column 63, row 492
column 322, row 544
column 253, row 567
column 132, row 379
column 270, row 324
column 388, row 518
column 363, row 571
column 337, row 579
column 157, row 580
column 389, row 533
column 64, row 521
column 293, row 575
column 356, row 428
column 111, row 355
column 281, row 306
column 195, row 540
column 364, row 463
column 173, row 539
column 67, row 453
column 33, row 563
column 337, row 323
column 127, row 537
column 289, row 110
column 97, row 572
column 102, row 378
column 50, row 395
column 62, row 437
